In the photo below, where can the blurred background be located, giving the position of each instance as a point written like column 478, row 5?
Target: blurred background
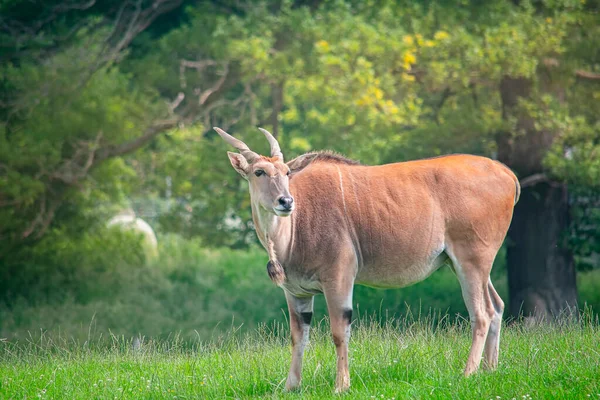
column 120, row 213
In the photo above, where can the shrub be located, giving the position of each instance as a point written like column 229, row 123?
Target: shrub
column 103, row 286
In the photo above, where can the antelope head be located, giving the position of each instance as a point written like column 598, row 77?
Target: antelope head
column 268, row 177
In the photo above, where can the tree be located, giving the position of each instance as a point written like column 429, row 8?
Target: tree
column 547, row 113
column 492, row 78
column 382, row 81
column 66, row 107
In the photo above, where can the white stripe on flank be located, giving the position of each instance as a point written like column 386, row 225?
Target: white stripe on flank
column 342, row 189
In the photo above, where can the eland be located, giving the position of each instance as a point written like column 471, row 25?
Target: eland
column 329, row 223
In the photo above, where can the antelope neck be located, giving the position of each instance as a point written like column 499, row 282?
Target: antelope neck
column 274, row 232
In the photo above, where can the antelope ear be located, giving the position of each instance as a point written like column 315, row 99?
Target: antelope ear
column 239, row 163
column 300, row 162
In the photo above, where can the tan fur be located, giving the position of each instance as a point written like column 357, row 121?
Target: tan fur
column 387, row 226
column 269, row 159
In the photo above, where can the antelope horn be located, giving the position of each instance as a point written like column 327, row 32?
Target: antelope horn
column 275, row 149
column 248, row 154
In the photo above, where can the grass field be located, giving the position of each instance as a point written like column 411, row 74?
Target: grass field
column 403, row 359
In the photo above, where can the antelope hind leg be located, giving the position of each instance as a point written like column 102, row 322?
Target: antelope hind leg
column 473, row 274
column 492, row 344
column 339, row 306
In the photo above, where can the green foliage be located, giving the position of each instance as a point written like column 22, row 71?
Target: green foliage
column 583, row 235
column 581, row 142
column 190, row 290
column 206, row 197
column 381, row 81
column 378, row 83
column 187, row 290
column 58, row 115
column 65, row 267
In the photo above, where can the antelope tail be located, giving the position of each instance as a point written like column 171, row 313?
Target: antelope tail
column 517, row 189
column 515, row 179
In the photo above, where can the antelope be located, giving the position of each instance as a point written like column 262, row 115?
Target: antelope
column 329, row 223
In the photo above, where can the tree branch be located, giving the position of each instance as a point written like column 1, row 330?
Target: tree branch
column 76, row 168
column 198, row 65
column 139, row 20
column 533, row 180
column 128, row 147
column 17, row 29
column 587, row 75
column 551, row 62
column 217, row 86
column 172, row 105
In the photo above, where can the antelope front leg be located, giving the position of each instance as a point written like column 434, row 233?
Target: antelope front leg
column 339, row 306
column 301, row 311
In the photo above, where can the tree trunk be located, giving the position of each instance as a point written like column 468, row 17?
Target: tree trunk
column 541, row 273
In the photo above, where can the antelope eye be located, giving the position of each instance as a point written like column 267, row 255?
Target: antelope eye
column 259, row 172
column 289, row 173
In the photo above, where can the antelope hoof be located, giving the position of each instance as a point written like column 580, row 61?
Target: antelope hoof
column 490, row 366
column 469, row 371
column 341, row 390
column 342, row 386
column 292, row 384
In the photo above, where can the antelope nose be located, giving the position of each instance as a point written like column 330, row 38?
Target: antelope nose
column 286, row 202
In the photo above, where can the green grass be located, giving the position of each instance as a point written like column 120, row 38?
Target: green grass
column 80, row 347
column 402, row 359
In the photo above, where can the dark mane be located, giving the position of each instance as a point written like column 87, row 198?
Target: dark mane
column 330, row 157
column 326, row 156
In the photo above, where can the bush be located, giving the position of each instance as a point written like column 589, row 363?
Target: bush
column 63, row 266
column 197, row 292
column 188, row 289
